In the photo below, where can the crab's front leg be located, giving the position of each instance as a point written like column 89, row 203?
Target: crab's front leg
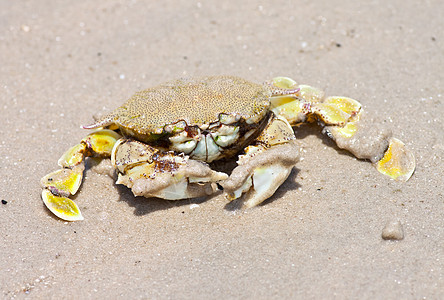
column 343, row 121
column 265, row 165
column 59, row 185
column 151, row 172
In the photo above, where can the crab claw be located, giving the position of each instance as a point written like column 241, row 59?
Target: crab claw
column 150, row 172
column 398, row 162
column 265, row 165
column 191, row 179
column 260, row 177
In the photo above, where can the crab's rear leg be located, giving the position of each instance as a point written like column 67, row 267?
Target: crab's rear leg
column 59, row 185
column 152, row 172
column 265, row 165
column 343, row 121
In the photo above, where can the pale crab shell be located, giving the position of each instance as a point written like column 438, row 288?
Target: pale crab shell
column 192, row 101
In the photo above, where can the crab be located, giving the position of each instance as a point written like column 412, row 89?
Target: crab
column 163, row 141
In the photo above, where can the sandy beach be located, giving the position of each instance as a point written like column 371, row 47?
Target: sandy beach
column 318, row 237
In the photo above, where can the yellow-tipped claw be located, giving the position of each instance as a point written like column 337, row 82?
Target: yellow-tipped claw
column 398, row 162
column 62, row 207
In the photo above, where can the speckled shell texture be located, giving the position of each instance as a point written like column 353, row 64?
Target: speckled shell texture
column 194, row 100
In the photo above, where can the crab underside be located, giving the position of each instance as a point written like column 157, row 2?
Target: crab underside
column 161, row 141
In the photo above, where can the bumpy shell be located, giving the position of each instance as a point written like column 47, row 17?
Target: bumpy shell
column 196, row 101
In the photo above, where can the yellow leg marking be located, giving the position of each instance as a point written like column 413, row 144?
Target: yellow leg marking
column 352, row 108
column 73, row 156
column 345, row 104
column 287, row 107
column 59, row 185
column 102, row 142
column 347, row 131
column 398, row 162
column 64, row 181
column 330, row 114
column 62, row 207
column 284, row 82
column 311, row 94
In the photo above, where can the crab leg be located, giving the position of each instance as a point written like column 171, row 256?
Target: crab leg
column 343, row 121
column 265, row 165
column 59, row 185
column 151, row 172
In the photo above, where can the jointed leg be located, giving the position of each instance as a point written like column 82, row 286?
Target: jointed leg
column 59, row 185
column 343, row 121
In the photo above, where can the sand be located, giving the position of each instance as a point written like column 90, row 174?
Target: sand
column 318, row 237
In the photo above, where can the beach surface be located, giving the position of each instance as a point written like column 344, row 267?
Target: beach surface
column 318, row 237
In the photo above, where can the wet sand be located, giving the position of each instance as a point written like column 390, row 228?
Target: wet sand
column 318, row 237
